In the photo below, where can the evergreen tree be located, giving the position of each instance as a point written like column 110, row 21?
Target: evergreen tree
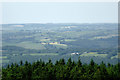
column 40, row 70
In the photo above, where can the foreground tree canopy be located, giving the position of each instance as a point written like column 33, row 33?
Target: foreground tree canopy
column 61, row 70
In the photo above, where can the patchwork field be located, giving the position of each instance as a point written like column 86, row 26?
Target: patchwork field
column 31, row 45
column 94, row 54
column 35, row 41
column 39, row 54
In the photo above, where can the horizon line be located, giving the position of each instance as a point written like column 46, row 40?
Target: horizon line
column 64, row 23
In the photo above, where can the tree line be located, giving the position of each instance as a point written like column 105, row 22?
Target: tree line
column 61, row 70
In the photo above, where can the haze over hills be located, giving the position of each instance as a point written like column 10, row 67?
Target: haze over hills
column 63, row 40
column 33, row 26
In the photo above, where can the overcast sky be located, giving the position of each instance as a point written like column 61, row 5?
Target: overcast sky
column 59, row 12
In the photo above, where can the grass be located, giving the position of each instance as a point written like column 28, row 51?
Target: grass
column 54, row 43
column 116, row 56
column 30, row 45
column 58, row 45
column 4, row 61
column 41, row 54
column 8, row 44
column 105, row 37
column 41, row 39
column 61, row 45
column 69, row 40
column 27, row 45
column 28, row 36
column 43, row 43
column 44, row 39
column 93, row 54
column 4, row 57
column 74, row 34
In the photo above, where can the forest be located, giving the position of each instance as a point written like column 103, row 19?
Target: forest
column 61, row 70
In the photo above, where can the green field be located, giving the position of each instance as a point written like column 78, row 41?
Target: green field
column 94, row 54
column 70, row 40
column 3, row 57
column 31, row 45
column 40, row 54
column 116, row 56
column 4, row 61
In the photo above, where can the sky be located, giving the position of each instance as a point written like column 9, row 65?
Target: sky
column 59, row 12
column 59, row 0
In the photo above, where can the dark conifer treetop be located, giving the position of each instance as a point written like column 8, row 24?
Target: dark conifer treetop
column 70, row 70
